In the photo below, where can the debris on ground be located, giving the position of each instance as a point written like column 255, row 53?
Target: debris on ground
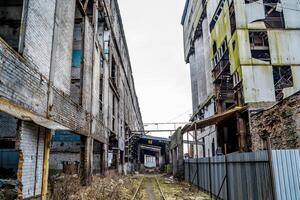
column 62, row 186
column 8, row 188
column 67, row 187
column 174, row 190
column 112, row 188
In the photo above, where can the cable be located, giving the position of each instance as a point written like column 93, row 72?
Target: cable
column 187, row 111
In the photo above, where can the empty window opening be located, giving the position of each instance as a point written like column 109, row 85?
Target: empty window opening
column 274, row 14
column 121, row 157
column 113, row 113
column 106, row 44
column 89, row 9
column 227, row 140
column 283, row 78
column 259, row 45
column 9, row 156
column 221, row 60
column 101, row 96
column 98, row 157
column 8, row 153
column 113, row 152
column 77, row 56
column 10, row 21
column 215, row 48
column 232, row 18
column 213, row 148
column 113, row 72
column 217, row 14
column 101, row 28
column 223, row 79
column 66, row 148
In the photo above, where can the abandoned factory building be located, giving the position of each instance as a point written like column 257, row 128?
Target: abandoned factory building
column 64, row 72
column 244, row 59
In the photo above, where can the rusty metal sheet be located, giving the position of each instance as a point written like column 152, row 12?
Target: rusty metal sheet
column 212, row 120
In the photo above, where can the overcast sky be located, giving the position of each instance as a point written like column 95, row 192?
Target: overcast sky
column 154, row 38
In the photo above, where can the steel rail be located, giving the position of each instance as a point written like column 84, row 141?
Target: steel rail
column 160, row 191
column 138, row 189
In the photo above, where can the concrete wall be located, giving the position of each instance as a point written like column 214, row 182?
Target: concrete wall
column 176, row 151
column 194, row 82
column 280, row 123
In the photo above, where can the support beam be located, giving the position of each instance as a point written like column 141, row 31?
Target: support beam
column 47, row 144
column 86, row 160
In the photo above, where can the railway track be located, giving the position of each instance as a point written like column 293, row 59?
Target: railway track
column 147, row 180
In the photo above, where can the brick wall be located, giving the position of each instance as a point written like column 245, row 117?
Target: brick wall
column 31, row 157
column 62, row 46
column 20, row 82
column 281, row 123
column 39, row 34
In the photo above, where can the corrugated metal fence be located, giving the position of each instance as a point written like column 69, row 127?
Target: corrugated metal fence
column 242, row 176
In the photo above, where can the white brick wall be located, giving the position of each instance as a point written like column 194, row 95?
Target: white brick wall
column 32, row 170
column 63, row 41
column 39, row 33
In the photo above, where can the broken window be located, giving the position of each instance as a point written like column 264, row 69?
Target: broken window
column 113, row 72
column 213, row 147
column 9, row 156
column 274, row 14
column 10, row 22
column 223, row 79
column 113, row 113
column 217, row 14
column 283, row 78
column 77, row 56
column 259, row 45
column 101, row 96
column 232, row 18
column 101, row 28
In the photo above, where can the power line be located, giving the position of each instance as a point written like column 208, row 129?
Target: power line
column 176, row 117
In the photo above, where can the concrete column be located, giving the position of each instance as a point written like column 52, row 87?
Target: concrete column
column 86, row 160
column 241, row 127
